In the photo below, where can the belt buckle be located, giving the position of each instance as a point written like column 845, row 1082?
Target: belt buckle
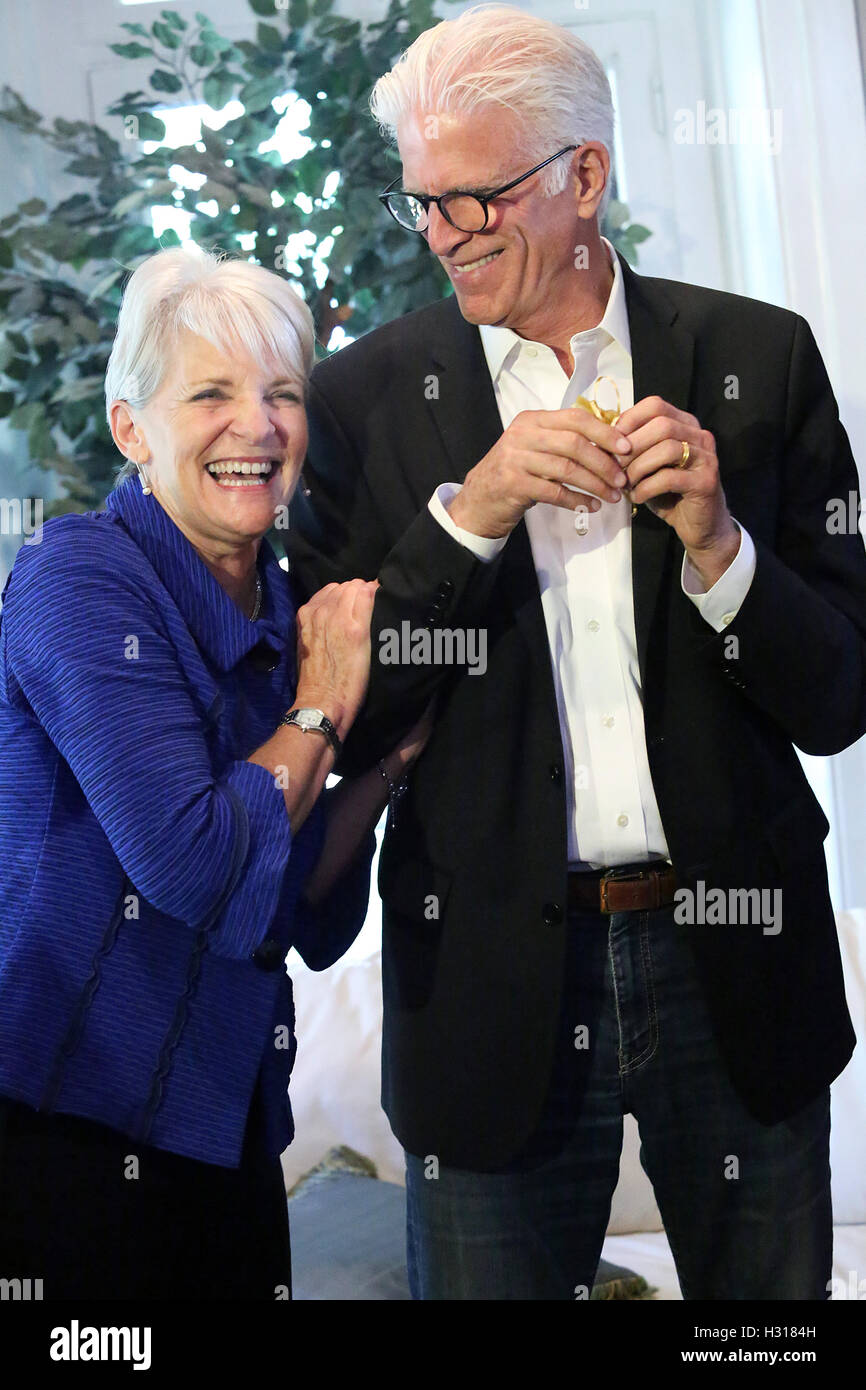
column 618, row 876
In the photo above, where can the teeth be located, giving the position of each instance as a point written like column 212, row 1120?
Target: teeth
column 240, row 482
column 236, row 466
column 473, row 265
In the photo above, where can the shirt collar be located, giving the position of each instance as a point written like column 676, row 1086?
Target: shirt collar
column 215, row 620
column 499, row 342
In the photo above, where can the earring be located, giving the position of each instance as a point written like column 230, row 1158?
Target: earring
column 145, row 485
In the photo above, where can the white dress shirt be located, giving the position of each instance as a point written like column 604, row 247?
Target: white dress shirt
column 583, row 562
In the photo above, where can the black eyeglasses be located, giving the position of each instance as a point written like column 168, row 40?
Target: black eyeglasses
column 466, row 211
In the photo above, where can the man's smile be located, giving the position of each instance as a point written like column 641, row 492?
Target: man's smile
column 471, row 267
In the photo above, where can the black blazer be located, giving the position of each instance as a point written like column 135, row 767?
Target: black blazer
column 472, row 995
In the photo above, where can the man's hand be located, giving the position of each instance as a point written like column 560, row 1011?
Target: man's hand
column 690, row 497
column 541, row 457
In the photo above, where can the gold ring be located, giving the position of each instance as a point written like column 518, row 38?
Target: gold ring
column 685, row 458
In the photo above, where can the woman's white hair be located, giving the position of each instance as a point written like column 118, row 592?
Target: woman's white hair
column 231, row 303
column 493, row 54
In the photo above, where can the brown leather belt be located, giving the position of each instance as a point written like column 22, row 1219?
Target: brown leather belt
column 630, row 888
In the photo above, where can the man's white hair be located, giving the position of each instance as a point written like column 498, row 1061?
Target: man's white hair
column 493, row 54
column 231, row 303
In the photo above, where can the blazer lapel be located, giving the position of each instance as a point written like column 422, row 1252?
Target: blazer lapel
column 464, row 408
column 662, row 358
column 467, row 417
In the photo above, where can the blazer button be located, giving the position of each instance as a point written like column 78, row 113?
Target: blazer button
column 555, row 772
column 269, row 955
column 551, row 914
column 446, row 589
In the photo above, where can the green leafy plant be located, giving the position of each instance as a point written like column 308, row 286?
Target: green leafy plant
column 62, row 268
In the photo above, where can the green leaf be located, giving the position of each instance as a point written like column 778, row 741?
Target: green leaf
column 83, row 388
column 131, row 50
column 269, row 37
column 259, row 93
column 7, row 403
column 163, row 81
column 254, row 194
column 637, row 233
column 135, row 29
column 165, row 34
column 299, row 13
column 174, row 19
column 341, row 31
column 7, row 258
column 90, row 166
column 39, row 441
column 132, row 200
column 263, row 7
column 18, row 342
column 86, row 327
column 106, row 282
column 150, row 127
column 74, row 416
column 18, row 369
column 33, row 207
column 203, row 55
column 219, row 87
column 225, row 196
column 24, row 415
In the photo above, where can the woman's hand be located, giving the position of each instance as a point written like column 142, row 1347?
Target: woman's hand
column 333, row 644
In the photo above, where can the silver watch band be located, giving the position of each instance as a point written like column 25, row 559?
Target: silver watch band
column 316, row 720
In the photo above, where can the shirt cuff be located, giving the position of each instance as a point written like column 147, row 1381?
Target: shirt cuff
column 720, row 605
column 485, row 547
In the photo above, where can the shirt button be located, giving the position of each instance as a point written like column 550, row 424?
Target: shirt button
column 728, row 618
column 593, row 625
column 551, row 914
column 608, row 721
column 555, row 772
column 622, row 819
column 532, row 352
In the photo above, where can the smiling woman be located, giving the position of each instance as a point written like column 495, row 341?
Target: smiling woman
column 205, row 398
column 168, row 720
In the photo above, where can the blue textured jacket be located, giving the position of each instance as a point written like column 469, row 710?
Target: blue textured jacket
column 149, row 880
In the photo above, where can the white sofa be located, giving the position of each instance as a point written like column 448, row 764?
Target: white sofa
column 335, row 1100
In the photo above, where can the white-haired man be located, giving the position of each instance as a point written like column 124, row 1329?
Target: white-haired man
column 605, row 889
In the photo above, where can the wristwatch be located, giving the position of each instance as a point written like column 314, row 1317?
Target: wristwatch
column 314, row 719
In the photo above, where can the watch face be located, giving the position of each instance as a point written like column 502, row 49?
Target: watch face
column 308, row 718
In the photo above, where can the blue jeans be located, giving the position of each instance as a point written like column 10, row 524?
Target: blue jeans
column 746, row 1206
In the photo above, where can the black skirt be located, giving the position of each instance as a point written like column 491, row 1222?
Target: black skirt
column 73, row 1215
